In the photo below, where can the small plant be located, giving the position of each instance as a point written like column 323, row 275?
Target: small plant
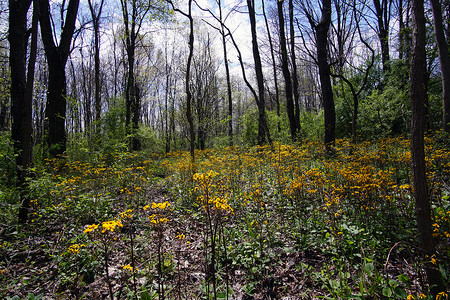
column 104, row 235
column 158, row 221
column 213, row 201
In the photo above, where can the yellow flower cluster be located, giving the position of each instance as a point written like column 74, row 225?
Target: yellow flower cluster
column 75, row 248
column 129, row 268
column 126, row 214
column 91, row 228
column 157, row 219
column 106, row 226
column 210, row 196
column 111, row 225
column 161, row 206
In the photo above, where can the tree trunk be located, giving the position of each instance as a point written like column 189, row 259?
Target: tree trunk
column 325, row 74
column 444, row 61
column 187, row 83
column 21, row 130
column 294, row 70
column 57, row 56
column 401, row 34
column 274, row 67
column 131, row 93
column 417, row 94
column 286, row 73
column 263, row 129
column 227, row 74
column 383, row 16
column 98, row 103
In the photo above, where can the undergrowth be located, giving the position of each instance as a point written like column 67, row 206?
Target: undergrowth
column 242, row 223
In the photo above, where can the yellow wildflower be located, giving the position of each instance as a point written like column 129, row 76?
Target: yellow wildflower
column 75, row 248
column 161, row 206
column 180, row 236
column 111, row 225
column 128, row 268
column 442, row 296
column 91, row 228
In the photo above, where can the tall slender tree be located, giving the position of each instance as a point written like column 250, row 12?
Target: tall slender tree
column 444, row 62
column 383, row 16
column 132, row 20
column 188, row 76
column 286, row 73
column 22, row 91
column 263, row 129
column 57, row 55
column 321, row 29
column 274, row 66
column 96, row 12
column 227, row 74
column 417, row 94
column 294, row 68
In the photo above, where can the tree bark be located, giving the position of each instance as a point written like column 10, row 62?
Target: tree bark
column 57, row 56
column 294, row 70
column 274, row 67
column 98, row 102
column 444, row 61
column 227, row 74
column 286, row 73
column 187, row 84
column 382, row 10
column 21, row 131
column 263, row 129
column 325, row 75
column 417, row 94
column 131, row 99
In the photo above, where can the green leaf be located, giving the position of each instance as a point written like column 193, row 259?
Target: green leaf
column 400, row 292
column 145, row 295
column 403, row 278
column 387, row 292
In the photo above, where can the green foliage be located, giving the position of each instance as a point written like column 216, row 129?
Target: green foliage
column 8, row 177
column 113, row 128
column 7, row 160
column 312, row 125
column 149, row 139
column 273, row 120
column 249, row 122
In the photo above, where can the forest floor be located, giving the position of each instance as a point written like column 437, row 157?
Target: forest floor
column 31, row 266
column 286, row 222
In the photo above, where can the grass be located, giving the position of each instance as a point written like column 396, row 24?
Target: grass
column 242, row 223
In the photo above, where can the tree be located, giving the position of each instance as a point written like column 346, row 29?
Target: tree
column 294, row 68
column 96, row 12
column 21, row 92
column 263, row 129
column 134, row 12
column 345, row 35
column 383, row 16
column 132, row 23
column 287, row 74
column 444, row 62
column 204, row 88
column 221, row 19
column 57, row 55
column 188, row 76
column 321, row 29
column 274, row 66
column 417, row 94
column 227, row 74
